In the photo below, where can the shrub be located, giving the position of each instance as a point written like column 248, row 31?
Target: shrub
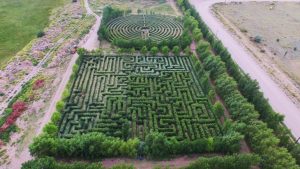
column 154, row 50
column 218, row 109
column 85, row 146
column 17, row 110
column 144, row 50
column 238, row 161
column 40, row 34
column 165, row 50
column 176, row 50
column 257, row 39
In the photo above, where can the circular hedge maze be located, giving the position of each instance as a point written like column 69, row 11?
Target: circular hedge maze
column 154, row 27
column 150, row 93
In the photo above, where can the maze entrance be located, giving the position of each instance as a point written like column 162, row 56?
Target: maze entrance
column 151, row 93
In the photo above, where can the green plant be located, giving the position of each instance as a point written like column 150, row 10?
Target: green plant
column 176, row 50
column 154, row 50
column 40, row 34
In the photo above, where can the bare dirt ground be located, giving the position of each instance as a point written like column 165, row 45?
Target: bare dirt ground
column 279, row 97
column 278, row 50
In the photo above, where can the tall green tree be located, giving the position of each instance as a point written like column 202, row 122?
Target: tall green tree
column 218, row 109
column 144, row 50
column 165, row 50
column 176, row 50
column 154, row 50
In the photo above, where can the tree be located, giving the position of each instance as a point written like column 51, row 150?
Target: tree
column 119, row 51
column 176, row 50
column 144, row 50
column 59, row 106
column 165, row 50
column 126, row 129
column 132, row 51
column 157, row 145
column 187, row 50
column 40, row 34
column 154, row 50
column 212, row 95
column 218, row 109
column 296, row 153
column 50, row 129
column 55, row 117
column 197, row 34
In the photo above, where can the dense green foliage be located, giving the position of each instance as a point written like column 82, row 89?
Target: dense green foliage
column 87, row 146
column 158, row 146
column 109, row 13
column 184, row 112
column 239, row 161
column 243, row 100
column 50, row 163
column 183, row 42
column 243, row 161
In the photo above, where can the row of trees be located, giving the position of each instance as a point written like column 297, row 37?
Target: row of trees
column 238, row 161
column 108, row 14
column 244, row 161
column 50, row 163
column 245, row 102
column 156, row 146
column 165, row 50
column 183, row 42
column 257, row 133
column 86, row 146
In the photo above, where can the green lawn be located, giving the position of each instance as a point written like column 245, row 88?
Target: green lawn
column 20, row 20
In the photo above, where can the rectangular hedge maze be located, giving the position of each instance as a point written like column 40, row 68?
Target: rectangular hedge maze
column 148, row 93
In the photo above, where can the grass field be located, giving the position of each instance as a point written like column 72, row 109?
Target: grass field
column 20, row 20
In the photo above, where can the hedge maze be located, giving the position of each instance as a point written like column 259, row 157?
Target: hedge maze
column 154, row 27
column 148, row 93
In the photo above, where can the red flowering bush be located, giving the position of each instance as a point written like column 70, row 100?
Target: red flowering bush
column 38, row 84
column 18, row 108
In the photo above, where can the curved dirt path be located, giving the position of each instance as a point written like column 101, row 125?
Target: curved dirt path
column 277, row 98
column 90, row 42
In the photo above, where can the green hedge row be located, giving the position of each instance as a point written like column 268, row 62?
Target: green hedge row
column 244, row 100
column 50, row 163
column 238, row 161
column 98, row 145
column 156, row 146
column 241, row 161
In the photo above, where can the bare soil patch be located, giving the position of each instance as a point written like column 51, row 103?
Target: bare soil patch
column 277, row 24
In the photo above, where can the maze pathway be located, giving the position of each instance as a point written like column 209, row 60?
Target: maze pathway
column 159, row 27
column 152, row 93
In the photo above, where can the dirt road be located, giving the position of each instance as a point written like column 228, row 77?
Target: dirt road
column 90, row 42
column 277, row 98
